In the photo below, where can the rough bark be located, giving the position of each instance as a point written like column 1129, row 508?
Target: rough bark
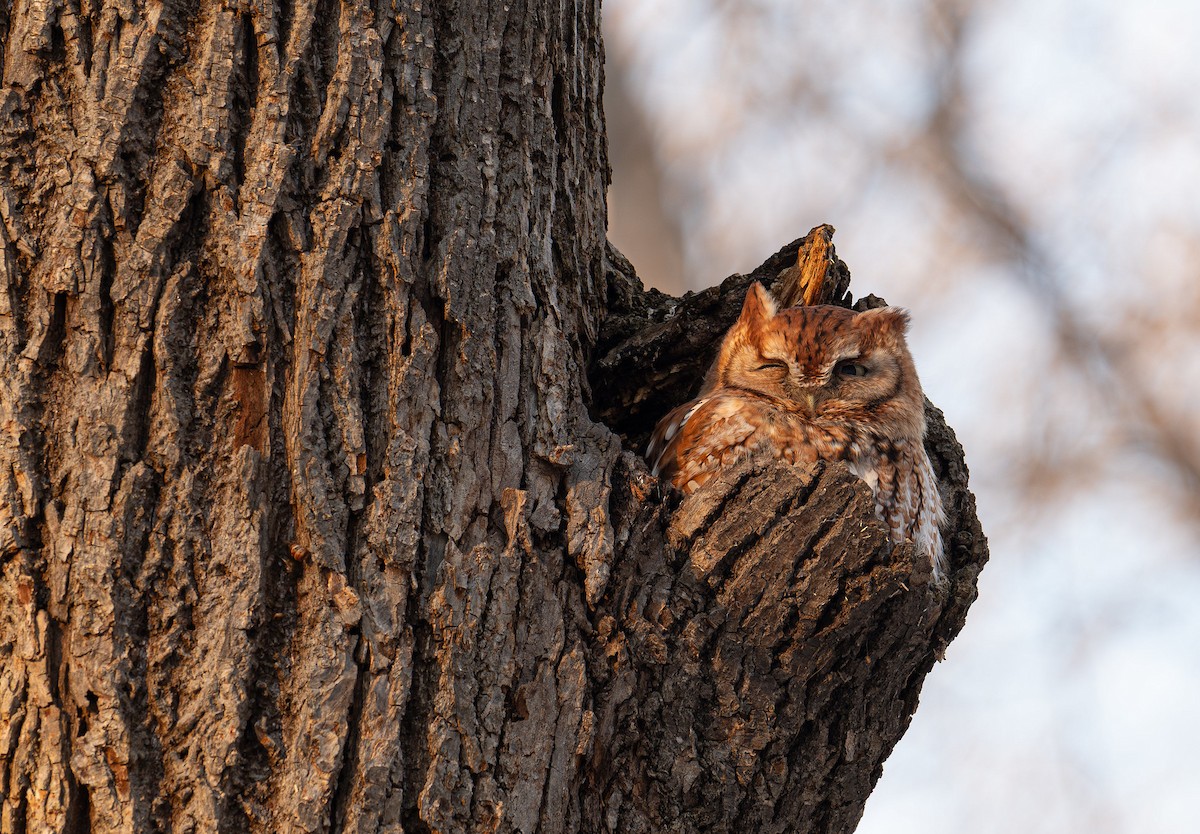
column 767, row 645
column 304, row 522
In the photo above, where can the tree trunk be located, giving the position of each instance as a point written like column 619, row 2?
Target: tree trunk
column 305, row 525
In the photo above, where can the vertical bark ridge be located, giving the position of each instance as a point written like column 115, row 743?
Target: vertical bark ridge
column 112, row 397
column 487, row 744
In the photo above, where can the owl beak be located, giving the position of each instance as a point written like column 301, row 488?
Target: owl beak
column 810, row 400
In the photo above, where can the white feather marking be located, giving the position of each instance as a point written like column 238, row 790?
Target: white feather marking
column 658, row 445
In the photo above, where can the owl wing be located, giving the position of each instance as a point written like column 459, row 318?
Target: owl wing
column 907, row 498
column 699, row 438
column 663, row 445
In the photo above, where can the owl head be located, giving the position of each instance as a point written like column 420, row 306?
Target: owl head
column 829, row 363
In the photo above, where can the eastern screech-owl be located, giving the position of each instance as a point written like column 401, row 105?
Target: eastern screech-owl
column 807, row 384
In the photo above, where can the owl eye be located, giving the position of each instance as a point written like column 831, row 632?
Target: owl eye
column 851, row 368
column 772, row 366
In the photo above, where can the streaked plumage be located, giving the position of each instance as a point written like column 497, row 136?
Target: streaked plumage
column 807, row 384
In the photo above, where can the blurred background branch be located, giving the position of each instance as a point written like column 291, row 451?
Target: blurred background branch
column 1106, row 360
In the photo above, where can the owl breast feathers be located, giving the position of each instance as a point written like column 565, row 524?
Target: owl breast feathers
column 808, row 384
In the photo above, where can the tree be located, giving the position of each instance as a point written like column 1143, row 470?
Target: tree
column 306, row 525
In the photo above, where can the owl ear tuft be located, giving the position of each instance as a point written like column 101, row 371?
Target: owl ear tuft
column 759, row 305
column 757, row 310
column 888, row 323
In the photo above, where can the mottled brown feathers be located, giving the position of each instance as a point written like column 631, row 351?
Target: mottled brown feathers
column 813, row 383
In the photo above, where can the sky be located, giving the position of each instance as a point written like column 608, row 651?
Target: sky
column 1067, row 704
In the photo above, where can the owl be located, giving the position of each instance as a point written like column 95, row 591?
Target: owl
column 807, row 384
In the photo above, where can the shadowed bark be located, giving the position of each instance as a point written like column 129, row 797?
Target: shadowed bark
column 304, row 522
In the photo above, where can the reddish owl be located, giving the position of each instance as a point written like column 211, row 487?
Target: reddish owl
column 807, row 384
